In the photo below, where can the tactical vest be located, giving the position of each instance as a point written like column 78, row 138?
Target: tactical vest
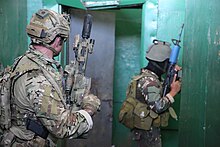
column 31, row 62
column 136, row 114
column 10, row 74
column 5, row 89
column 8, row 109
column 9, row 112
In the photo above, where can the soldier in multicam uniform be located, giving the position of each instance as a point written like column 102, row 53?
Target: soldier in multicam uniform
column 39, row 113
column 144, row 109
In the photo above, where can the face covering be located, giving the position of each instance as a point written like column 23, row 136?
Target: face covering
column 158, row 68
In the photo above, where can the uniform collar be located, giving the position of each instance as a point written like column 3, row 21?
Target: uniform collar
column 145, row 71
column 42, row 57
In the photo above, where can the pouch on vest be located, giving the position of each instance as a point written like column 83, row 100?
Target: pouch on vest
column 157, row 122
column 142, row 119
column 126, row 112
column 164, row 119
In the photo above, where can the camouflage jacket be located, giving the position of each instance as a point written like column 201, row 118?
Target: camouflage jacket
column 38, row 93
column 149, row 89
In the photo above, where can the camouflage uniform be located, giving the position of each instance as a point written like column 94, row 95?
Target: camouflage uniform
column 144, row 111
column 148, row 91
column 38, row 94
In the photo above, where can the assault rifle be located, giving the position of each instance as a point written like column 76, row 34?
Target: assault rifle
column 172, row 62
column 77, row 85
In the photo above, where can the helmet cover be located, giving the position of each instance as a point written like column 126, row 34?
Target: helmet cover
column 46, row 24
column 159, row 51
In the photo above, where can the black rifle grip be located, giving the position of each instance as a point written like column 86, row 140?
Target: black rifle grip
column 87, row 25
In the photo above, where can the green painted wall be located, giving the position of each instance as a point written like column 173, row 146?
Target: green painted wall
column 13, row 39
column 200, row 122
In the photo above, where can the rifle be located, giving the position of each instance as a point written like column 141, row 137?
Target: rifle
column 77, row 84
column 172, row 62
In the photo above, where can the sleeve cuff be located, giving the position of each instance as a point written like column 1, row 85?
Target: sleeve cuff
column 171, row 99
column 88, row 119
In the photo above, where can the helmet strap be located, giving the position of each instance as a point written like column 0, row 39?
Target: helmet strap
column 55, row 53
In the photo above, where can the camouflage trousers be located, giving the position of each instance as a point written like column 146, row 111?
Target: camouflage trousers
column 151, row 138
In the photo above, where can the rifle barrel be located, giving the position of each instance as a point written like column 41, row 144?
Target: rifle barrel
column 87, row 25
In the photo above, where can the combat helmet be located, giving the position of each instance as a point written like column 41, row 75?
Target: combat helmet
column 159, row 51
column 46, row 24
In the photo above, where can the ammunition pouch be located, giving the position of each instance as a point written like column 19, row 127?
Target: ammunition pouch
column 134, row 114
column 126, row 112
column 37, row 127
column 142, row 120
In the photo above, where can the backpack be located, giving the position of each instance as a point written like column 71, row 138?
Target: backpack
column 5, row 88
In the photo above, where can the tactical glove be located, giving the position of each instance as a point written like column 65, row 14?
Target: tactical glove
column 91, row 103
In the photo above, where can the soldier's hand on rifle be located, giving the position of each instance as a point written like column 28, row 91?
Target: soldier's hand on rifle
column 178, row 68
column 91, row 104
column 175, row 86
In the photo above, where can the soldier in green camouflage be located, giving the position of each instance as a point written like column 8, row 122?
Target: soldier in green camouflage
column 144, row 111
column 40, row 115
